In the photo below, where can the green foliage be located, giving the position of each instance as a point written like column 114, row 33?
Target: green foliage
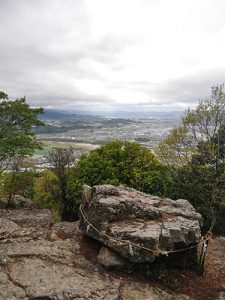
column 3, row 95
column 200, row 130
column 205, row 189
column 47, row 192
column 195, row 184
column 23, row 183
column 17, row 183
column 118, row 163
column 177, row 148
column 17, row 121
column 74, row 192
column 212, row 152
column 60, row 161
column 172, row 282
column 195, row 153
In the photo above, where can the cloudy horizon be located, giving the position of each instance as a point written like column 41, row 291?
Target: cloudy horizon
column 112, row 54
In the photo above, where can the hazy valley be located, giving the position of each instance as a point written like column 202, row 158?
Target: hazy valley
column 84, row 132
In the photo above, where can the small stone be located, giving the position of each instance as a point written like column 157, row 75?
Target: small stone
column 221, row 296
column 110, row 258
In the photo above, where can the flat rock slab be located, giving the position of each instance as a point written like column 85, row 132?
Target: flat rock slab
column 46, row 263
column 59, row 281
column 121, row 218
column 41, row 218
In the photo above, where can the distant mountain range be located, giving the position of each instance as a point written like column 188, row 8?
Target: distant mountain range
column 151, row 114
column 53, row 114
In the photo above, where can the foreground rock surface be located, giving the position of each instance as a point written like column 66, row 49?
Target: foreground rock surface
column 122, row 214
column 45, row 262
column 39, row 260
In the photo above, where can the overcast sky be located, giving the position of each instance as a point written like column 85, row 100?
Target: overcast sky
column 107, row 54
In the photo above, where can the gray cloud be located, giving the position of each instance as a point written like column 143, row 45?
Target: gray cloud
column 45, row 46
column 187, row 90
column 49, row 50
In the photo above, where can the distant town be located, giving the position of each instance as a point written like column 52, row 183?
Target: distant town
column 84, row 132
column 97, row 130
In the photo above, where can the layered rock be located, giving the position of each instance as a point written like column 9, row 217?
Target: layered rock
column 28, row 218
column 128, row 222
column 43, row 261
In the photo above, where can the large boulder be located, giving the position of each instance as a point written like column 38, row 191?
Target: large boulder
column 138, row 226
column 17, row 201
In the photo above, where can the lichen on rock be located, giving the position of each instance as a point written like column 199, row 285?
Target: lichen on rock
column 128, row 222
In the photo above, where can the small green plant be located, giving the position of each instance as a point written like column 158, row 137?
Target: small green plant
column 156, row 272
column 56, row 215
column 172, row 282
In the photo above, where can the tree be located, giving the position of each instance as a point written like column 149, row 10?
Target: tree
column 212, row 152
column 3, row 95
column 60, row 161
column 17, row 121
column 176, row 149
column 195, row 183
column 195, row 152
column 117, row 163
column 47, row 193
column 202, row 125
column 18, row 182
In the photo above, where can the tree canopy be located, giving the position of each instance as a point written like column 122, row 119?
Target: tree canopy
column 116, row 163
column 200, row 129
column 195, row 152
column 61, row 161
column 17, row 121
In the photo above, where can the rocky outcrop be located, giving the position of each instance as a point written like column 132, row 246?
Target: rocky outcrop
column 45, row 262
column 28, row 218
column 130, row 222
column 17, row 201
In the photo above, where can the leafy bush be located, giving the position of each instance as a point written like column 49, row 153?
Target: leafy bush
column 47, row 193
column 117, row 163
column 17, row 183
